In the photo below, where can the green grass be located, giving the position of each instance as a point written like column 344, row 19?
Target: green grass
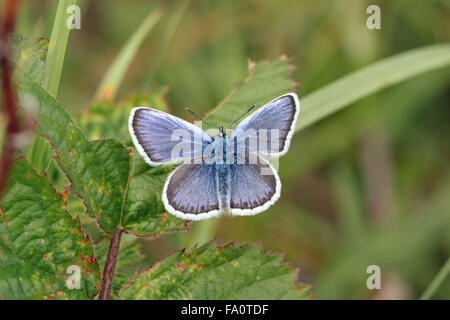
column 57, row 48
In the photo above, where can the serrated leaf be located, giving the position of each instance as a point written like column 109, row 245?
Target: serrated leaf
column 266, row 81
column 82, row 161
column 144, row 195
column 40, row 240
column 100, row 171
column 211, row 272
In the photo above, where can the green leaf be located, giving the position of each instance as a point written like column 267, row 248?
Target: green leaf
column 97, row 183
column 113, row 77
column 144, row 196
column 28, row 56
column 211, row 272
column 101, row 172
column 40, row 240
column 266, row 81
column 379, row 75
column 105, row 119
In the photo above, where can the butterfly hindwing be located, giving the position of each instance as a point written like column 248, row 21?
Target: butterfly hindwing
column 193, row 191
column 156, row 134
column 190, row 192
column 254, row 187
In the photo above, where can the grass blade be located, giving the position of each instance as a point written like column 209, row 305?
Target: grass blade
column 114, row 76
column 53, row 67
column 172, row 25
column 57, row 48
column 379, row 75
column 437, row 281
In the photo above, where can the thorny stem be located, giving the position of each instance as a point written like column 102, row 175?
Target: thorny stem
column 9, row 100
column 110, row 265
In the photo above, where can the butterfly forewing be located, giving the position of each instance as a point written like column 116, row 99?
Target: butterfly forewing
column 163, row 139
column 268, row 130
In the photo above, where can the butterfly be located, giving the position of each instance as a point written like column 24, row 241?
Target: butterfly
column 230, row 174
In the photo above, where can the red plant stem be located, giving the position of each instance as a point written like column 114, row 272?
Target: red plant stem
column 9, row 100
column 110, row 265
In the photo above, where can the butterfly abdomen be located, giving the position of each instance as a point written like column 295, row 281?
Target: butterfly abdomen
column 223, row 180
column 223, row 177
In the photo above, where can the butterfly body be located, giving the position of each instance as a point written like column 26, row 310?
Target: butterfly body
column 223, row 167
column 224, row 175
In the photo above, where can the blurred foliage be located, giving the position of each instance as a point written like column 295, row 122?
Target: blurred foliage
column 367, row 185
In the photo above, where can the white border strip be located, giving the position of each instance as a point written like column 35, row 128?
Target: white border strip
column 287, row 143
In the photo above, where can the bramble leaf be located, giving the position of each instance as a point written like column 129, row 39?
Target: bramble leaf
column 101, row 171
column 40, row 241
column 212, row 272
column 266, row 81
column 144, row 195
column 105, row 119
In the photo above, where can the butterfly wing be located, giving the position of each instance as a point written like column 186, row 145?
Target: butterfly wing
column 190, row 192
column 254, row 187
column 270, row 127
column 159, row 137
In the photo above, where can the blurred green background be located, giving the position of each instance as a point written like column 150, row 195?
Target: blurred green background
column 369, row 185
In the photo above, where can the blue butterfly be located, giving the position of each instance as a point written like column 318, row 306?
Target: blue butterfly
column 229, row 174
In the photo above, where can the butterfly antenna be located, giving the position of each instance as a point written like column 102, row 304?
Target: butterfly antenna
column 199, row 118
column 243, row 115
